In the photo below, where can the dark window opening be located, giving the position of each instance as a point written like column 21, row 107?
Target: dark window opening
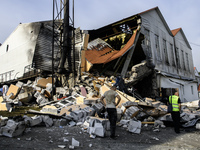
column 7, row 48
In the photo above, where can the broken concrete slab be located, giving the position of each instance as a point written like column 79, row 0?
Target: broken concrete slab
column 19, row 84
column 67, row 110
column 97, row 130
column 98, row 107
column 134, row 126
column 13, row 128
column 36, row 120
column 41, row 99
column 47, row 120
column 198, row 126
column 91, row 101
column 60, row 122
column 49, row 109
column 132, row 111
column 75, row 142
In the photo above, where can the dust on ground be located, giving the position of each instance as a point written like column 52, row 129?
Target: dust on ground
column 53, row 138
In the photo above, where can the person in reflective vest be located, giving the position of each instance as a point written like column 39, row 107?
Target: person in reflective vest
column 176, row 107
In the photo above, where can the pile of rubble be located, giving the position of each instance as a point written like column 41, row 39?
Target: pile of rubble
column 80, row 106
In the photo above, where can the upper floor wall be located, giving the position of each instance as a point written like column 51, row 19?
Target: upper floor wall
column 184, row 55
column 17, row 51
column 170, row 54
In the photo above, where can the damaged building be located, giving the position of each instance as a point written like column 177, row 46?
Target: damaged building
column 140, row 52
column 152, row 59
column 28, row 51
column 140, row 55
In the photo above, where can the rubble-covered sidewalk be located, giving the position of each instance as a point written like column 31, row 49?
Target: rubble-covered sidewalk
column 80, row 107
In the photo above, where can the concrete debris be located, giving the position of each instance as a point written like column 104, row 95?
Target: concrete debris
column 61, row 146
column 47, row 120
column 13, row 128
column 134, row 126
column 198, row 126
column 158, row 124
column 75, row 143
column 97, row 126
column 138, row 72
column 80, row 106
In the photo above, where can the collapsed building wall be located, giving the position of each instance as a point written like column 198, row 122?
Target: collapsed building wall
column 154, row 43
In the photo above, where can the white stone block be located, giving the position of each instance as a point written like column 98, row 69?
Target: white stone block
column 134, row 126
column 36, row 120
column 47, row 120
column 75, row 142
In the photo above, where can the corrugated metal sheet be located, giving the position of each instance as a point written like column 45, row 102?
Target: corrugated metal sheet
column 106, row 54
column 43, row 50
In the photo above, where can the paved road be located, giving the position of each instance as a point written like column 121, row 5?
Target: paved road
column 43, row 138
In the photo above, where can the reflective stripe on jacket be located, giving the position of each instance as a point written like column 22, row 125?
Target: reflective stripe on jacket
column 174, row 101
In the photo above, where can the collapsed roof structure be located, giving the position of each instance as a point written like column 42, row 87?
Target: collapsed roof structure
column 139, row 54
column 118, row 49
column 140, row 49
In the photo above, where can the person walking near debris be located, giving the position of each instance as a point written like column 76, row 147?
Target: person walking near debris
column 176, row 107
column 111, row 108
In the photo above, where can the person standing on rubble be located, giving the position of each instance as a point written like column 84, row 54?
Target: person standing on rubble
column 176, row 108
column 110, row 105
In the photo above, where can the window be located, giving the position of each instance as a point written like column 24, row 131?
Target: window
column 177, row 57
column 172, row 54
column 157, row 47
column 192, row 90
column 187, row 60
column 147, row 42
column 183, row 58
column 126, row 29
column 7, row 48
column 165, row 51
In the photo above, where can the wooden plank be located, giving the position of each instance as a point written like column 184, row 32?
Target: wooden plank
column 129, row 56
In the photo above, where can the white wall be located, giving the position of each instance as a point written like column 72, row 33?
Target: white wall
column 21, row 49
column 187, row 89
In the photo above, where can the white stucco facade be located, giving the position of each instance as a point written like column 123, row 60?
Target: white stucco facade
column 18, row 50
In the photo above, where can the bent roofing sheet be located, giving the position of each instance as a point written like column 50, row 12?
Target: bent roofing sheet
column 100, row 57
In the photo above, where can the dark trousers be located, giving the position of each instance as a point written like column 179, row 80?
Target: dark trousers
column 112, row 116
column 176, row 120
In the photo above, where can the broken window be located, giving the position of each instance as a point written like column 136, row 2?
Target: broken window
column 157, row 47
column 172, row 54
column 177, row 57
column 183, row 91
column 187, row 60
column 147, row 42
column 126, row 29
column 192, row 90
column 165, row 51
column 183, row 60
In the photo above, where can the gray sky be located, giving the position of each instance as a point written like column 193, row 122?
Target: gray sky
column 92, row 14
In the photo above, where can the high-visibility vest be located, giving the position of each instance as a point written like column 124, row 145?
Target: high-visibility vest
column 174, row 101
